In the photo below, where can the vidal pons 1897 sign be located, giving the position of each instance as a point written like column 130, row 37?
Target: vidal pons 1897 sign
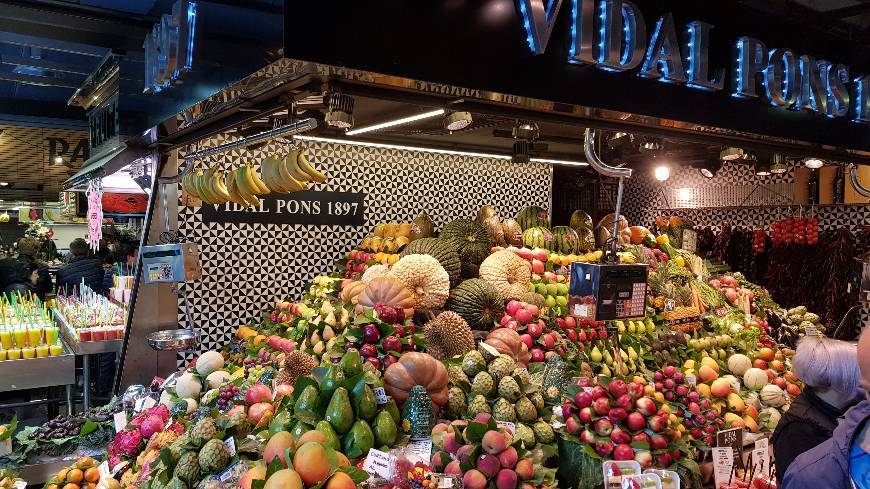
column 309, row 207
column 612, row 35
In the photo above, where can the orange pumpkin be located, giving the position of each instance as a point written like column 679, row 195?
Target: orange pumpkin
column 638, row 233
column 388, row 291
column 661, row 222
column 415, row 368
column 508, row 342
column 675, row 221
column 351, row 291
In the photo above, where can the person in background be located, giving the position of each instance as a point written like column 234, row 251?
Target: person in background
column 28, row 248
column 24, row 279
column 829, row 368
column 124, row 260
column 842, row 461
column 81, row 265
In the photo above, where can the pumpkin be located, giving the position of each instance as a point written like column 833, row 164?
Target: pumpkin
column 441, row 251
column 580, row 219
column 374, row 272
column 477, row 302
column 388, row 291
column 508, row 342
column 607, row 222
column 772, row 395
column 755, row 378
column 469, row 238
column 513, row 232
column 638, row 233
column 416, row 368
column 425, row 278
column 738, row 364
column 508, row 273
column 351, row 291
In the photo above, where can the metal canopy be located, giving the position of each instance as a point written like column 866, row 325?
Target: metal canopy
column 105, row 164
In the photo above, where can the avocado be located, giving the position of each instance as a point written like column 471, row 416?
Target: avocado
column 330, row 434
column 359, row 440
column 351, row 363
column 306, row 405
column 393, row 409
column 384, row 429
column 339, row 412
column 333, row 378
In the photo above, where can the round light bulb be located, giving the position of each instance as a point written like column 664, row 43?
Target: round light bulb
column 662, row 173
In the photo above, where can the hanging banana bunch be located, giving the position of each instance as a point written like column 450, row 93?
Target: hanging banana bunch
column 246, row 186
column 290, row 173
column 301, row 169
column 207, row 185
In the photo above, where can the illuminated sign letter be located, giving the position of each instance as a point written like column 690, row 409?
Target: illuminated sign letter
column 663, row 60
column 623, row 35
column 862, row 99
column 838, row 94
column 780, row 78
column 751, row 60
column 698, row 59
column 582, row 32
column 539, row 17
column 813, row 96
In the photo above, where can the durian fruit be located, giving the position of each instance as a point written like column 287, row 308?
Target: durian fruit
column 534, row 299
column 448, row 335
column 297, row 364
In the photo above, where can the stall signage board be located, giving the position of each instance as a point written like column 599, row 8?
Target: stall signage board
column 733, row 439
column 309, row 207
column 711, row 63
column 104, row 126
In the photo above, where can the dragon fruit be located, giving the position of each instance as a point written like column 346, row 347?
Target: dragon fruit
column 127, row 443
column 177, row 427
column 159, row 410
column 152, row 424
column 114, row 460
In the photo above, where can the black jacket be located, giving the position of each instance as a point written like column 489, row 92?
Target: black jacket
column 808, row 422
column 43, row 285
column 78, row 268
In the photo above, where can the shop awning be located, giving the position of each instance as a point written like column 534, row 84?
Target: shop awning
column 104, row 165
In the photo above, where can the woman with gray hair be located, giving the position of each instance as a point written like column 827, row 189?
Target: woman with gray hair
column 829, row 368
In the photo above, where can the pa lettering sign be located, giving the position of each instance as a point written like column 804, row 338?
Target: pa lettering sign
column 310, row 207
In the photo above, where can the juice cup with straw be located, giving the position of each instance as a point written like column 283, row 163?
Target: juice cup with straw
column 41, row 351
column 13, row 354
column 28, row 352
column 6, row 339
column 99, row 334
column 34, row 337
column 54, row 350
column 50, row 336
column 85, row 335
column 2, row 355
column 20, row 337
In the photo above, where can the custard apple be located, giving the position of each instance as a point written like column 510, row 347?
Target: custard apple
column 187, row 468
column 214, row 457
column 473, row 363
column 543, row 432
column 483, row 384
column 526, row 434
column 478, row 405
column 456, row 403
column 537, row 399
column 503, row 410
column 509, row 389
column 522, row 375
column 526, row 411
column 456, row 375
column 501, row 367
column 203, row 431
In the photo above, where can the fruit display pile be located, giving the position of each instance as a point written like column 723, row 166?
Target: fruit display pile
column 463, row 337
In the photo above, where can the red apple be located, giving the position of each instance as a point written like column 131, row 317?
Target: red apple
column 585, row 415
column 527, row 339
column 645, row 406
column 598, row 391
column 258, row 393
column 539, row 254
column 537, row 267
column 657, row 423
column 604, row 448
column 587, row 436
column 513, row 306
column 623, row 452
column 664, row 460
column 603, row 427
column 601, row 406
column 538, row 355
column 573, row 425
column 644, row 458
column 635, row 421
column 641, row 437
column 618, row 436
column 625, row 401
column 617, row 414
column 583, row 399
column 534, row 329
column 658, row 441
column 617, row 388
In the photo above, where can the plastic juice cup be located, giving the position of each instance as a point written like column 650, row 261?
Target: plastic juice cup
column 6, row 339
column 50, row 336
column 20, row 337
column 28, row 352
column 54, row 350
column 41, row 351
column 13, row 354
column 85, row 335
column 99, row 334
column 34, row 337
column 2, row 355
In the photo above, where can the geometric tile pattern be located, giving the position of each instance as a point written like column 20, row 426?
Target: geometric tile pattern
column 246, row 266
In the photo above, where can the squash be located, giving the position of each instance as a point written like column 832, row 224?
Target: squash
column 513, row 232
column 477, row 302
column 351, row 291
column 773, row 396
column 755, row 378
column 738, row 364
column 580, row 219
column 423, row 227
column 374, row 272
column 638, row 233
column 508, row 273
column 441, row 251
column 209, row 362
column 469, row 238
column 388, row 291
column 416, row 368
column 508, row 342
column 495, row 231
column 485, row 213
column 425, row 278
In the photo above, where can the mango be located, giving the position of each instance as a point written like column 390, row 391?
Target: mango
column 312, row 435
column 311, row 462
column 340, row 480
column 276, row 446
column 284, row 479
column 257, row 472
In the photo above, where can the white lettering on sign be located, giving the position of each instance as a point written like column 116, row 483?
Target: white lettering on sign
column 420, row 451
column 380, row 395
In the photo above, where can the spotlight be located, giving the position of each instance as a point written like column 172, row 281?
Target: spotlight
column 4, row 184
column 521, row 152
column 728, row 154
column 527, row 130
column 340, row 111
column 710, row 166
column 813, row 162
column 777, row 164
column 662, row 173
column 58, row 160
column 456, row 121
column 762, row 167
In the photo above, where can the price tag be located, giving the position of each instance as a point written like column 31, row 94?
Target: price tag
column 760, row 460
column 20, row 485
column 103, row 469
column 762, row 443
column 445, row 482
column 508, row 426
column 231, row 444
column 670, row 305
column 120, row 421
column 380, row 395
column 733, row 439
column 723, row 465
column 811, row 331
column 420, row 451
column 691, row 380
column 379, row 464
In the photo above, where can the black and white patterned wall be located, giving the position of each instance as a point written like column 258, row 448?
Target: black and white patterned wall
column 247, row 266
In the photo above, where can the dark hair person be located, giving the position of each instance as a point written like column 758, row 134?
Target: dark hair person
column 81, row 267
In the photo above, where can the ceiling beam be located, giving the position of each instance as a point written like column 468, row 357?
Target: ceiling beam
column 41, row 81
column 45, row 64
column 846, row 12
column 33, row 108
column 51, row 45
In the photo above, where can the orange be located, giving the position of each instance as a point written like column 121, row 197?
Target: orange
column 52, row 486
column 85, row 462
column 71, row 486
column 61, row 475
column 92, row 474
column 75, row 475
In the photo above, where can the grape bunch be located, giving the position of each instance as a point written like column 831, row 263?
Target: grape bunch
column 227, row 394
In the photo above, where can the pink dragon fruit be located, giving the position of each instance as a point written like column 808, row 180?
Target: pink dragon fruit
column 114, row 460
column 177, row 427
column 159, row 410
column 127, row 442
column 152, row 424
column 137, row 420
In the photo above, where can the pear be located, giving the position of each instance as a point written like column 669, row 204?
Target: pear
column 595, row 355
column 605, row 371
column 632, row 355
column 608, row 359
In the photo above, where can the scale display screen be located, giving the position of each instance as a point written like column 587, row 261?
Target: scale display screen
column 603, row 292
column 170, row 263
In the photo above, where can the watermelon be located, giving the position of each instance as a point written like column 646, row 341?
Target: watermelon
column 513, row 232
column 539, row 237
column 566, row 240
column 533, row 216
column 580, row 219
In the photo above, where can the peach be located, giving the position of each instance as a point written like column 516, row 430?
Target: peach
column 284, row 479
column 464, row 453
column 751, row 411
column 494, row 442
column 453, row 468
column 277, row 445
column 311, row 462
column 257, row 472
column 750, row 423
column 525, row 469
column 340, row 480
column 482, row 418
column 506, row 479
column 440, row 460
column 440, row 427
column 450, row 443
column 311, row 435
column 488, row 464
column 508, row 458
column 473, row 479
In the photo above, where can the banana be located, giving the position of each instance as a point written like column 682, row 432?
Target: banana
column 198, row 183
column 292, row 164
column 235, row 197
column 287, row 179
column 245, row 186
column 209, row 182
column 219, row 187
column 259, row 186
column 187, row 184
column 306, row 166
column 266, row 174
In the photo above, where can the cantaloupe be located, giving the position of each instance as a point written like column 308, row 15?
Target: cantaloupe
column 738, row 364
column 188, row 386
column 209, row 362
column 755, row 378
column 773, row 396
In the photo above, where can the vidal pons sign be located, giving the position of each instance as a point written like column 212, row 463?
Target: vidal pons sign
column 612, row 35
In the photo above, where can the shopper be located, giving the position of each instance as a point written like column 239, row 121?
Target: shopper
column 842, row 461
column 81, row 267
column 124, row 262
column 23, row 281
column 28, row 248
column 829, row 369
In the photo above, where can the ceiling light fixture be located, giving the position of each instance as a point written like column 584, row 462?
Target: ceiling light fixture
column 396, row 122
column 4, row 184
column 527, row 130
column 369, row 144
column 456, row 121
column 339, row 111
column 710, row 166
column 58, row 160
column 762, row 167
column 649, row 145
column 729, row 154
column 662, row 173
column 777, row 164
column 813, row 162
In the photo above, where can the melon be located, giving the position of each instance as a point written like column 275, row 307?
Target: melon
column 738, row 364
column 580, row 219
column 495, row 231
column 566, row 240
column 513, row 232
column 470, row 239
column 773, row 396
column 539, row 237
column 188, row 385
column 209, row 362
column 441, row 251
column 479, row 303
column 773, row 417
column 485, row 213
column 424, row 227
column 755, row 378
column 533, row 216
column 585, row 239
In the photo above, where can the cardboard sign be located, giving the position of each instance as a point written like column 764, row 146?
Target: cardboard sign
column 733, row 439
column 723, row 464
column 379, row 464
column 120, row 419
column 760, row 460
column 380, row 395
column 419, row 451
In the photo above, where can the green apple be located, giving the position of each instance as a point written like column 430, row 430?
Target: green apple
column 561, row 300
column 541, row 289
column 550, row 301
column 562, row 289
column 552, row 289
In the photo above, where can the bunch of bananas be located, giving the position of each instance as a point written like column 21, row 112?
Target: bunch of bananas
column 209, row 185
column 289, row 174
